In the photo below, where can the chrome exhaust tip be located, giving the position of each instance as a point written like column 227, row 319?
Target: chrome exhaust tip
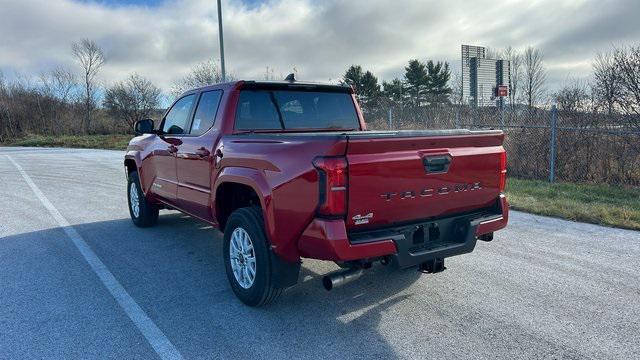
column 341, row 277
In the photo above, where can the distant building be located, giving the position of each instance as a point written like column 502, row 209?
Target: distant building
column 481, row 77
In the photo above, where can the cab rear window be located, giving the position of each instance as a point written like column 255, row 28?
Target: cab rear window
column 287, row 109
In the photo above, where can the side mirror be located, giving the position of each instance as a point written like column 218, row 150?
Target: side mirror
column 144, row 126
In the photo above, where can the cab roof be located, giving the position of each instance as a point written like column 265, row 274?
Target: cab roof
column 274, row 85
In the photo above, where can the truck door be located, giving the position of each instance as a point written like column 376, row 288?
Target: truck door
column 165, row 184
column 195, row 155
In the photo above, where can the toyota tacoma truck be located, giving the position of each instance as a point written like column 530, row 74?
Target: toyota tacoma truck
column 288, row 170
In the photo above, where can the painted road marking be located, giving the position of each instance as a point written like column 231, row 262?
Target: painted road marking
column 156, row 338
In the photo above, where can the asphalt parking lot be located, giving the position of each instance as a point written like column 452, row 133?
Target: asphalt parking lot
column 79, row 280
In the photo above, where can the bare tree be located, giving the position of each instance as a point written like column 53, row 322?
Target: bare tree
column 627, row 68
column 5, row 114
column 456, row 88
column 493, row 53
column 606, row 83
column 573, row 97
column 534, row 76
column 23, row 107
column 201, row 74
column 91, row 58
column 132, row 100
column 59, row 83
column 515, row 60
column 57, row 94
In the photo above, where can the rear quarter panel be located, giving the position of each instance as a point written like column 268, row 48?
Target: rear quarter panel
column 290, row 191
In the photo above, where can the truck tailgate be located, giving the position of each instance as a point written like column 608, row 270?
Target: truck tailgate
column 397, row 177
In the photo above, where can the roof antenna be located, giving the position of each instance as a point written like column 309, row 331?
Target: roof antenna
column 290, row 78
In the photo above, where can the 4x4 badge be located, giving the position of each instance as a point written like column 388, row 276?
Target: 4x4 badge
column 362, row 219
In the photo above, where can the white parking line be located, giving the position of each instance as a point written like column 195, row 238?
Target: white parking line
column 156, row 338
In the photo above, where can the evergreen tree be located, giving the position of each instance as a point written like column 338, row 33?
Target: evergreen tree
column 369, row 87
column 416, row 82
column 353, row 76
column 365, row 85
column 395, row 91
column 438, row 75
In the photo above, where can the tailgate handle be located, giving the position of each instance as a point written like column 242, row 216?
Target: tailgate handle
column 436, row 164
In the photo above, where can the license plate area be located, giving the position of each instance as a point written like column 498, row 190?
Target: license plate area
column 424, row 241
column 437, row 234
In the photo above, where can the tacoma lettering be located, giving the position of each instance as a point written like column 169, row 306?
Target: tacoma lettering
column 427, row 192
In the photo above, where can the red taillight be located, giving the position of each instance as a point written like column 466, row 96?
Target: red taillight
column 503, row 171
column 332, row 172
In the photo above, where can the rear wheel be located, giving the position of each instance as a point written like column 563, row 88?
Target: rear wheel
column 247, row 258
column 143, row 213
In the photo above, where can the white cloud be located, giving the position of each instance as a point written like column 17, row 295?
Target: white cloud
column 320, row 38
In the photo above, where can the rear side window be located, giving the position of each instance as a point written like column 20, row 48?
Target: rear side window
column 257, row 111
column 176, row 120
column 288, row 109
column 206, row 111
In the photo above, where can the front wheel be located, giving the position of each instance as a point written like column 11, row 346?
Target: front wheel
column 143, row 213
column 247, row 259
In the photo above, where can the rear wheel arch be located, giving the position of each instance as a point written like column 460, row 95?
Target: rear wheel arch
column 247, row 181
column 230, row 196
column 256, row 180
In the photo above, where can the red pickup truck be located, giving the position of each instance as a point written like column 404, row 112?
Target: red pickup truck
column 288, row 170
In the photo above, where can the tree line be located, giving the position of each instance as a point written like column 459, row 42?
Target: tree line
column 431, row 83
column 73, row 101
column 613, row 86
column 423, row 84
column 613, row 89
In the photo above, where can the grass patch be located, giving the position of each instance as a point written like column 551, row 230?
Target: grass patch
column 111, row 142
column 596, row 204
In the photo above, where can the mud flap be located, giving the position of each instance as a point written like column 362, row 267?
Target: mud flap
column 284, row 274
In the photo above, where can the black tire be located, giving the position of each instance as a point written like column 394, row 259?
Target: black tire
column 147, row 214
column 263, row 290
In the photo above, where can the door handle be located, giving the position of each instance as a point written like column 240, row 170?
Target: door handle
column 202, row 152
column 218, row 157
column 436, row 164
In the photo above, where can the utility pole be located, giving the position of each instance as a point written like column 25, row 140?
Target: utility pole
column 224, row 76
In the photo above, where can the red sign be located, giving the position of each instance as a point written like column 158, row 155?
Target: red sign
column 502, row 90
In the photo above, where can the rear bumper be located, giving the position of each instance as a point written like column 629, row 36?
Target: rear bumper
column 407, row 244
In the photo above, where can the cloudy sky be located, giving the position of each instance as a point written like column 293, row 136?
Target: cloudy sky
column 162, row 39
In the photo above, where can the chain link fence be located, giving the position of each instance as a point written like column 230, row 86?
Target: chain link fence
column 543, row 144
